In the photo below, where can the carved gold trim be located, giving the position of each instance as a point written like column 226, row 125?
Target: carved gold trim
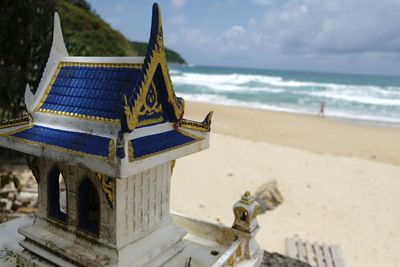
column 157, row 58
column 247, row 198
column 7, row 134
column 80, row 116
column 112, row 150
column 132, row 115
column 149, row 121
column 130, row 151
column 48, row 88
column 14, row 122
column 76, row 115
column 53, row 147
column 132, row 158
column 239, row 250
column 231, row 261
column 102, row 65
column 156, row 106
column 107, row 186
column 204, row 126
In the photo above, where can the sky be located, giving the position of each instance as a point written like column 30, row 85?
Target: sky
column 346, row 36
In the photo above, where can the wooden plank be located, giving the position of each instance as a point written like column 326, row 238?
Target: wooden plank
column 327, row 256
column 310, row 254
column 337, row 256
column 314, row 254
column 318, row 255
column 301, row 250
column 291, row 249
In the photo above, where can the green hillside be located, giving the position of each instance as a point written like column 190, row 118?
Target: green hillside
column 86, row 34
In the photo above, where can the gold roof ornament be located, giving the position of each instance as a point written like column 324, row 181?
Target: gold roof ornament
column 246, row 211
column 247, row 198
column 154, row 68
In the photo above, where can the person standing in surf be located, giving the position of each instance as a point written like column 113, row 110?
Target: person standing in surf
column 321, row 109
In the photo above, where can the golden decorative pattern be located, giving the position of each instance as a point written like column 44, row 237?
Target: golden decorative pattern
column 112, row 150
column 107, row 186
column 141, row 108
column 76, row 115
column 6, row 134
column 14, row 122
column 204, row 126
column 150, row 121
column 157, row 59
column 130, row 147
column 247, row 198
column 239, row 250
column 131, row 115
column 130, row 151
column 152, row 96
column 232, row 261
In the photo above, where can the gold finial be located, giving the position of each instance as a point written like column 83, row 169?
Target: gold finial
column 247, row 198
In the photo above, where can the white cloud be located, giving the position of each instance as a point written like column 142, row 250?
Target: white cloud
column 119, row 8
column 178, row 20
column 178, row 3
column 342, row 26
column 339, row 35
column 262, row 2
column 235, row 33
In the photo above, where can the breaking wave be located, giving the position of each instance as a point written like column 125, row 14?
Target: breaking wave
column 355, row 99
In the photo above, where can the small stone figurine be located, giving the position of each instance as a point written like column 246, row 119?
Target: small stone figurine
column 246, row 211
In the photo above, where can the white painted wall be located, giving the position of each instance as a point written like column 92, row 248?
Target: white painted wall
column 72, row 177
column 142, row 203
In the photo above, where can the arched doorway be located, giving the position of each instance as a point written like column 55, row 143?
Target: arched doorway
column 56, row 195
column 89, row 207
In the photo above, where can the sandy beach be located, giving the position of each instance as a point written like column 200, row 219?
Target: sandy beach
column 339, row 179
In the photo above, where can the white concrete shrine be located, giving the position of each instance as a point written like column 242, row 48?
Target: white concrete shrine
column 108, row 130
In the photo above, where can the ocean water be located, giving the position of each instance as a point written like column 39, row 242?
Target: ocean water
column 368, row 98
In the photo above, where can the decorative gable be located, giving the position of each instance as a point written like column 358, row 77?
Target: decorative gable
column 154, row 80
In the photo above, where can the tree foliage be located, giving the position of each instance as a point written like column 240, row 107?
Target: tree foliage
column 25, row 40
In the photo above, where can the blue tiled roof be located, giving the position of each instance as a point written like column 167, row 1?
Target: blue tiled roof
column 79, row 142
column 148, row 145
column 90, row 90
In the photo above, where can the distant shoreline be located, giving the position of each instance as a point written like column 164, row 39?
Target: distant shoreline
column 350, row 120
column 302, row 131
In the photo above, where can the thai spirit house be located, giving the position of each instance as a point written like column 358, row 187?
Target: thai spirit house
column 111, row 128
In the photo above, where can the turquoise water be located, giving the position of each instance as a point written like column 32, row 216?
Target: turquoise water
column 346, row 96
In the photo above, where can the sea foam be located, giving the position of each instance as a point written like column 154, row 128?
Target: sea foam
column 292, row 92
